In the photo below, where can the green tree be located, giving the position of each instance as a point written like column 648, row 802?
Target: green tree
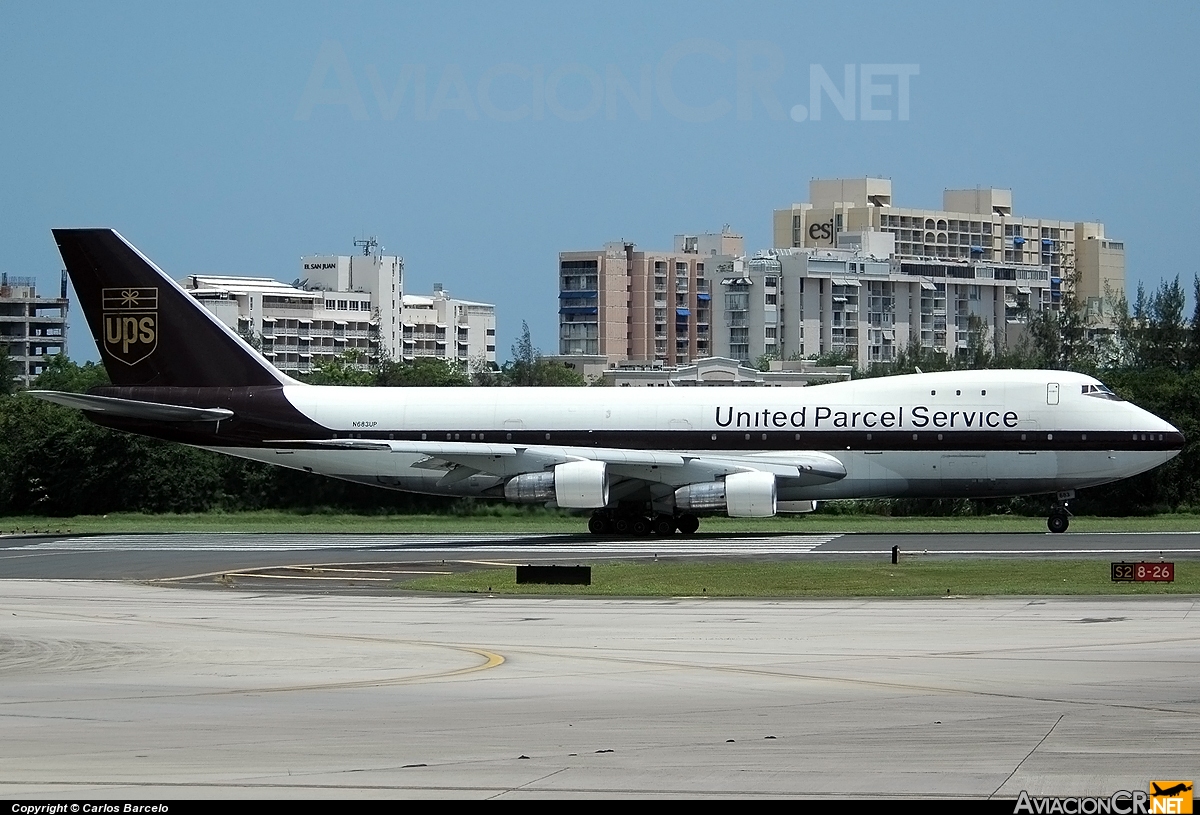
column 9, row 369
column 1192, row 356
column 1152, row 334
column 425, row 372
column 341, row 370
column 61, row 374
column 978, row 354
column 252, row 337
column 1061, row 338
column 529, row 369
column 1166, row 332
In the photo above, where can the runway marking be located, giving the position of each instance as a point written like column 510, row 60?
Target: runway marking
column 490, row 659
column 256, row 573
column 467, row 544
column 350, row 570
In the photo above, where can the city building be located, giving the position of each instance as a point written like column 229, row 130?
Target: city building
column 379, row 276
column 293, row 327
column 714, row 370
column 620, row 303
column 721, row 371
column 350, row 306
column 975, row 228
column 31, row 327
column 440, row 326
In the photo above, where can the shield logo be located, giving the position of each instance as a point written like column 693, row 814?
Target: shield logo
column 130, row 317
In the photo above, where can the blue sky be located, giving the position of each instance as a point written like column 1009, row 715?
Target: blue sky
column 220, row 138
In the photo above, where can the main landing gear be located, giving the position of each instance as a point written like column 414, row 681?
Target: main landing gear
column 1060, row 516
column 627, row 523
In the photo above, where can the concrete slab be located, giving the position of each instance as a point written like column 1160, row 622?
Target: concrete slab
column 126, row 690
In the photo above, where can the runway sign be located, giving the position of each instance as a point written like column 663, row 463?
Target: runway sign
column 1143, row 572
column 565, row 575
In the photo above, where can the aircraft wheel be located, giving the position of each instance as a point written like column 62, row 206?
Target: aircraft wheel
column 663, row 526
column 688, row 524
column 599, row 524
column 1058, row 522
column 621, row 524
column 639, row 526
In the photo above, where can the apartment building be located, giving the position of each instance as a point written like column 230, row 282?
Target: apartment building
column 866, row 305
column 975, row 228
column 350, row 306
column 294, row 328
column 31, row 327
column 620, row 303
column 380, row 277
column 441, row 326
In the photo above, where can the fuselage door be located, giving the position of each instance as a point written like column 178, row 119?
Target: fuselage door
column 1052, row 393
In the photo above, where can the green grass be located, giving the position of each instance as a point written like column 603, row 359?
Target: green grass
column 275, row 521
column 913, row 577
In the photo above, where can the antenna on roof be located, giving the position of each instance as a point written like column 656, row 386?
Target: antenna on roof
column 367, row 244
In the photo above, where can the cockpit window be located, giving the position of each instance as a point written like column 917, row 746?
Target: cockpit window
column 1101, row 392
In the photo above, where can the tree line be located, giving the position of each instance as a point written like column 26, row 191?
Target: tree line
column 53, row 461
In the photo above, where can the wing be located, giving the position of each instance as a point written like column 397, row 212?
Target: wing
column 464, row 459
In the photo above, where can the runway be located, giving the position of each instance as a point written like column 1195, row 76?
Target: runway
column 179, row 555
column 117, row 685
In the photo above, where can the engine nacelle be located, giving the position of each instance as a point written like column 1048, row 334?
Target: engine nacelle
column 750, row 495
column 581, row 484
column 573, row 485
column 741, row 495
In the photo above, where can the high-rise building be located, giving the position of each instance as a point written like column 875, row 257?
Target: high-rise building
column 31, row 327
column 348, row 306
column 975, row 228
column 295, row 328
column 379, row 276
column 620, row 303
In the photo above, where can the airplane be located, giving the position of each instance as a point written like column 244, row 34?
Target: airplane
column 1169, row 792
column 641, row 460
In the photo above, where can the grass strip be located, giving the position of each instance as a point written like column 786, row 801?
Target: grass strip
column 914, row 577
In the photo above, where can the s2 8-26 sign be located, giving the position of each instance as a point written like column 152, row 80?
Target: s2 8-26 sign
column 1143, row 572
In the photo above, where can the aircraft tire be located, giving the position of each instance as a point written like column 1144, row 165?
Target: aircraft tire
column 688, row 524
column 599, row 524
column 1058, row 522
column 639, row 526
column 663, row 526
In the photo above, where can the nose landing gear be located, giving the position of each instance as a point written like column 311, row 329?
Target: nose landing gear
column 1060, row 516
column 1059, row 520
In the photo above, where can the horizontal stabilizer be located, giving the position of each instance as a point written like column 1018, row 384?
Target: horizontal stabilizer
column 133, row 409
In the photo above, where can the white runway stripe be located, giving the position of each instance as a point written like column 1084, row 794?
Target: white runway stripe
column 474, row 544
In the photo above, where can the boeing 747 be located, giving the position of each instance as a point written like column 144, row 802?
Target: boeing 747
column 641, row 460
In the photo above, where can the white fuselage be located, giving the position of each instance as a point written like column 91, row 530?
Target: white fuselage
column 965, row 433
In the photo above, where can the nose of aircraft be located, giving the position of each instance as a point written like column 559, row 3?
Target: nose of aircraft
column 1145, row 422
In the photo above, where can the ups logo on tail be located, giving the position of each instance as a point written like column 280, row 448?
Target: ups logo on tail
column 130, row 323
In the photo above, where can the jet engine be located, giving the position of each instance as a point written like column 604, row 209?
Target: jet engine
column 741, row 495
column 573, row 485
